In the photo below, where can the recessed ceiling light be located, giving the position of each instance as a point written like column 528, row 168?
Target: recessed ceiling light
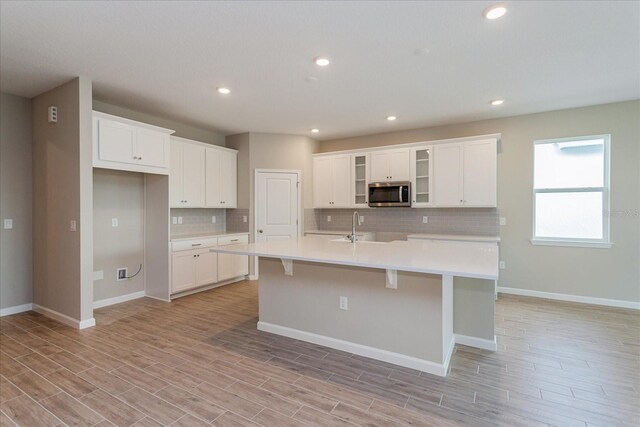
column 321, row 61
column 494, row 12
column 391, row 118
column 315, row 130
column 311, row 79
column 421, row 51
column 224, row 90
column 497, row 102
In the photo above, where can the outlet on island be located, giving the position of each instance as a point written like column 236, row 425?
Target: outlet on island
column 344, row 303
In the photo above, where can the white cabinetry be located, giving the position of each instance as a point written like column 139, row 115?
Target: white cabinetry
column 421, row 174
column 360, row 180
column 187, row 175
column 221, row 178
column 331, row 178
column 390, row 165
column 232, row 266
column 465, row 174
column 202, row 175
column 124, row 144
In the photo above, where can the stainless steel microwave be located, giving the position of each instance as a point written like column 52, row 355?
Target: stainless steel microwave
column 389, row 194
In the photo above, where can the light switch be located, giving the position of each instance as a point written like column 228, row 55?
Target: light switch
column 244, row 218
column 179, row 220
column 73, row 225
column 8, row 224
column 328, row 218
column 174, row 220
column 114, row 222
column 213, row 219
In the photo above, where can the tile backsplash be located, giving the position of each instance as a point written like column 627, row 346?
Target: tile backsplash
column 236, row 220
column 474, row 221
column 198, row 221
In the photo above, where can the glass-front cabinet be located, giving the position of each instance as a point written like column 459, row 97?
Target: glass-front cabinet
column 421, row 173
column 360, row 179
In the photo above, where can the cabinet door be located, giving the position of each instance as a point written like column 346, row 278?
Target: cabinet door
column 206, row 267
column 447, row 171
column 116, row 142
column 322, row 182
column 176, row 179
column 183, row 271
column 193, row 173
column 379, row 166
column 241, row 265
column 226, row 267
column 152, row 148
column 480, row 173
column 228, row 178
column 399, row 165
column 213, row 182
column 341, row 177
column 421, row 173
column 359, row 180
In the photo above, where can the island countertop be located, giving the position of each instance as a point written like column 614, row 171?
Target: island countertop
column 463, row 259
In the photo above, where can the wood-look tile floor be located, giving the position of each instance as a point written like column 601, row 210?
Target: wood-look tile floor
column 200, row 361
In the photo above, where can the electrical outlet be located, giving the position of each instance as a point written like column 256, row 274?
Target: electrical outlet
column 502, row 265
column 213, row 219
column 361, row 220
column 73, row 225
column 52, row 114
column 114, row 222
column 174, row 220
column 503, row 220
column 328, row 218
column 8, row 224
column 344, row 303
column 244, row 218
column 179, row 220
column 98, row 275
column 425, row 219
column 121, row 274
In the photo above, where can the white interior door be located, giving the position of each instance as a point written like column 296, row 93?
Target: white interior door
column 276, row 205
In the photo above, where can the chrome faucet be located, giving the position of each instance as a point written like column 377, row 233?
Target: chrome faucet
column 353, row 226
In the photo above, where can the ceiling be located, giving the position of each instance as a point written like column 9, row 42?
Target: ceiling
column 167, row 58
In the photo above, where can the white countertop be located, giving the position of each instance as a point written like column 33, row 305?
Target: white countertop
column 458, row 237
column 205, row 235
column 464, row 259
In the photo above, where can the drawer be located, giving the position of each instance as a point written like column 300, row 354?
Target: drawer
column 185, row 245
column 233, row 240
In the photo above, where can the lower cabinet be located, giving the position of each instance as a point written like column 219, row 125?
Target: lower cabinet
column 193, row 265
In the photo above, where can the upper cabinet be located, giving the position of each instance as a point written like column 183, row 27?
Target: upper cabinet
column 221, row 178
column 421, row 173
column 454, row 173
column 187, row 176
column 390, row 165
column 331, row 178
column 465, row 174
column 202, row 175
column 124, row 144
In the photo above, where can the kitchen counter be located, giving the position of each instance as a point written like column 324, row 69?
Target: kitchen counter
column 205, row 235
column 336, row 233
column 463, row 259
column 455, row 237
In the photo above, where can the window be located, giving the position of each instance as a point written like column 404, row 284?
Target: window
column 571, row 192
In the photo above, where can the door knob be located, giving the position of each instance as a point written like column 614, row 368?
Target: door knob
column 260, row 231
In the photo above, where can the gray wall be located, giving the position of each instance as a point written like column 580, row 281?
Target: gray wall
column 117, row 194
column 15, row 201
column 62, row 192
column 182, row 130
column 604, row 273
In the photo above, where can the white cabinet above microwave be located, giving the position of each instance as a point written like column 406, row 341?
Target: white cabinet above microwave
column 124, row 144
column 390, row 165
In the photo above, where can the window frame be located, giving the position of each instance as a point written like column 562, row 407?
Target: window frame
column 605, row 241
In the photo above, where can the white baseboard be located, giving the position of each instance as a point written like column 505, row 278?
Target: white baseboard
column 116, row 300
column 482, row 343
column 63, row 318
column 439, row 369
column 252, row 277
column 571, row 298
column 16, row 309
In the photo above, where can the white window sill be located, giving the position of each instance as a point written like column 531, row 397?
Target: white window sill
column 571, row 243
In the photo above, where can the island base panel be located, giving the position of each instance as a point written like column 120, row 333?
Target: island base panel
column 409, row 326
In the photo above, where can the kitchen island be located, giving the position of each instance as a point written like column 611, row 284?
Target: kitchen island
column 388, row 301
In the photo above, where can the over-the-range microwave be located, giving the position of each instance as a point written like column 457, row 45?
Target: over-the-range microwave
column 389, row 194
